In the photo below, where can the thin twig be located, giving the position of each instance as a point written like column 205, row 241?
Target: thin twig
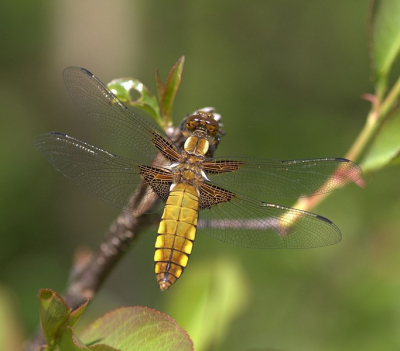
column 122, row 232
column 380, row 111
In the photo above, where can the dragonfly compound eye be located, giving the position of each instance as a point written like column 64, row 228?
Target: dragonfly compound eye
column 203, row 121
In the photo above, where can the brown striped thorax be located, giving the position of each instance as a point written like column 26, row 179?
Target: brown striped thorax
column 227, row 197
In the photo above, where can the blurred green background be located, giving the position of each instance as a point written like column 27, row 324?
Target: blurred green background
column 287, row 77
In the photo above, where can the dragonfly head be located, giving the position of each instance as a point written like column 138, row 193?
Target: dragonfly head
column 203, row 121
column 207, row 122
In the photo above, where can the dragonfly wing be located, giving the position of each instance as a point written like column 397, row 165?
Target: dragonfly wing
column 110, row 116
column 112, row 179
column 263, row 179
column 247, row 222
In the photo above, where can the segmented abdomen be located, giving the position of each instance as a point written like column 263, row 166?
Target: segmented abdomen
column 176, row 234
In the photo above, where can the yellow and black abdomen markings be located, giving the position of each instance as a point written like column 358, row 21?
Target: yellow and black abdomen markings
column 176, row 234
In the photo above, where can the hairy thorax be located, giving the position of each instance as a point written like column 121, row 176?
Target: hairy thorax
column 190, row 165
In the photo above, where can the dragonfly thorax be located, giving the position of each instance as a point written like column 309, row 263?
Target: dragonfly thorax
column 189, row 169
column 197, row 144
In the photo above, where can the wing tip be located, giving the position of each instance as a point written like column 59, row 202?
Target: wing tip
column 84, row 70
column 324, row 219
column 76, row 69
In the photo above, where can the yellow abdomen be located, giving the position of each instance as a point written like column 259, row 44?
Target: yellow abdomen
column 176, row 234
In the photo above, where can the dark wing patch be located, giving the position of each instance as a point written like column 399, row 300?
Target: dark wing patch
column 159, row 179
column 166, row 147
column 212, row 195
column 221, row 166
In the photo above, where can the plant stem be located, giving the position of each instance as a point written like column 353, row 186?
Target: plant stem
column 364, row 136
column 378, row 113
column 391, row 99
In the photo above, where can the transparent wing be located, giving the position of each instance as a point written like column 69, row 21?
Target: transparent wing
column 264, row 179
column 250, row 223
column 109, row 115
column 110, row 178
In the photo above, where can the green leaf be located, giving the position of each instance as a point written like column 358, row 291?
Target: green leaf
column 70, row 342
column 147, row 101
column 169, row 92
column 385, row 39
column 215, row 291
column 75, row 315
column 395, row 160
column 159, row 85
column 385, row 149
column 160, row 109
column 53, row 312
column 138, row 328
column 57, row 319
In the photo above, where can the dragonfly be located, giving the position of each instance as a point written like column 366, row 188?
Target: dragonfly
column 223, row 196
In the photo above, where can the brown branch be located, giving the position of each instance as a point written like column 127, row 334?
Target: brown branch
column 85, row 283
